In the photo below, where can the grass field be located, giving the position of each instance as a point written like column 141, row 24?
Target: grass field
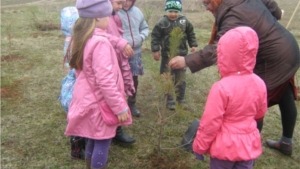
column 33, row 122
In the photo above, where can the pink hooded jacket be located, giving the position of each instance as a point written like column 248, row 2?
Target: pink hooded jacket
column 115, row 28
column 227, row 129
column 101, row 69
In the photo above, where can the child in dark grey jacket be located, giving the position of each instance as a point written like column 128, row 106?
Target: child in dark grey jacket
column 160, row 42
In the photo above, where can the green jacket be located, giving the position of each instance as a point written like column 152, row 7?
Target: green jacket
column 161, row 33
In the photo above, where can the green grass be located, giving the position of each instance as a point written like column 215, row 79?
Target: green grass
column 33, row 123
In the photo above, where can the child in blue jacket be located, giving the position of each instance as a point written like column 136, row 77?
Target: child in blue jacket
column 135, row 32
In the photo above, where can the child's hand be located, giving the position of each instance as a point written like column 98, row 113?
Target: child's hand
column 193, row 49
column 123, row 117
column 128, row 51
column 156, row 56
column 199, row 156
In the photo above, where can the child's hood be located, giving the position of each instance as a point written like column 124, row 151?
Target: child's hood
column 68, row 17
column 133, row 2
column 237, row 51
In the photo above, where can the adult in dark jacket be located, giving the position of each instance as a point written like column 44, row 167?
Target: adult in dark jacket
column 277, row 60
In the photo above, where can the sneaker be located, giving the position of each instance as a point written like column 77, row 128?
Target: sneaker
column 284, row 148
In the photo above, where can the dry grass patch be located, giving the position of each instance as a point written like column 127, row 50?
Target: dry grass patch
column 33, row 122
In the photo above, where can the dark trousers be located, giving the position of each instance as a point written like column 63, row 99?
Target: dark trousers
column 179, row 78
column 132, row 99
column 288, row 112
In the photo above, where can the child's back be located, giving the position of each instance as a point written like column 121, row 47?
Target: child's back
column 228, row 128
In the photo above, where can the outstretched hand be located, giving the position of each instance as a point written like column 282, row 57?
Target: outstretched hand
column 178, row 62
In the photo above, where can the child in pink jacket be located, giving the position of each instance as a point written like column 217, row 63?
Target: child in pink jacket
column 98, row 82
column 228, row 130
column 115, row 29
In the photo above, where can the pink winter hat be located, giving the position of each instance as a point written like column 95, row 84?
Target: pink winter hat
column 94, row 8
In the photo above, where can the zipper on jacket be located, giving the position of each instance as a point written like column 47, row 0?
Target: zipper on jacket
column 130, row 29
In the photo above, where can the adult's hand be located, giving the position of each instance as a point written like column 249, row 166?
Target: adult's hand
column 282, row 14
column 178, row 62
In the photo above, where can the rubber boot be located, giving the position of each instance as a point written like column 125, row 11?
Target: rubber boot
column 77, row 147
column 131, row 103
column 122, row 138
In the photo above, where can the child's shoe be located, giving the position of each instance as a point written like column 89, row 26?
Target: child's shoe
column 77, row 147
column 134, row 111
column 181, row 101
column 171, row 105
column 123, row 138
column 285, row 148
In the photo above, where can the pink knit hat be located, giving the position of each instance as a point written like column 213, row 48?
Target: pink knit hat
column 94, row 8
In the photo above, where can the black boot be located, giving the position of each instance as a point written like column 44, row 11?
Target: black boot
column 123, row 138
column 131, row 103
column 77, row 147
column 134, row 111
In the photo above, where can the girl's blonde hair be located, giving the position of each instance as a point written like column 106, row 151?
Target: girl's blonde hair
column 83, row 29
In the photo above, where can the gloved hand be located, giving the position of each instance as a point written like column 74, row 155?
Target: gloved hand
column 199, row 156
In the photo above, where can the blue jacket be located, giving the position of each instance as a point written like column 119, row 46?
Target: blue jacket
column 135, row 27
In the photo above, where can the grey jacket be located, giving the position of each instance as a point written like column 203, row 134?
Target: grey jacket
column 135, row 27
